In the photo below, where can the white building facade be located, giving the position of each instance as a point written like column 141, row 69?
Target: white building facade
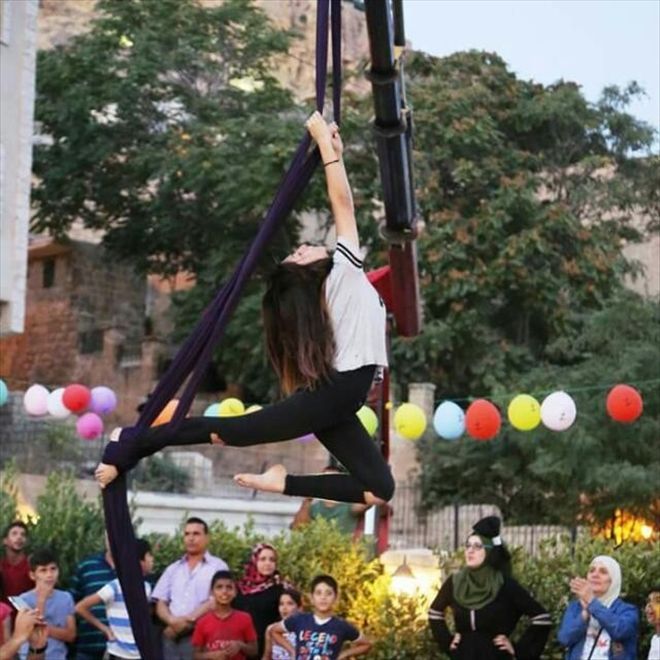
column 18, row 48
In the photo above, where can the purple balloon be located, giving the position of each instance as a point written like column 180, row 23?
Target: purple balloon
column 89, row 426
column 104, row 400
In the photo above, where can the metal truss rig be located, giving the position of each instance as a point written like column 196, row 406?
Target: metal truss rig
column 393, row 129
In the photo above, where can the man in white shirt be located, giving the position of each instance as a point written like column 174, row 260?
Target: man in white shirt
column 183, row 592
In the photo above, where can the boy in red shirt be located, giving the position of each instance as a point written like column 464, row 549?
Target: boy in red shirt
column 224, row 633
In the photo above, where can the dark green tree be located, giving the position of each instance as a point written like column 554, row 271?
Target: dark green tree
column 582, row 475
column 528, row 194
column 170, row 134
column 157, row 116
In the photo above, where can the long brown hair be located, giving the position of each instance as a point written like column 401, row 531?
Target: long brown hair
column 299, row 337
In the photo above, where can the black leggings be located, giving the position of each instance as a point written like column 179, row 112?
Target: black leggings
column 327, row 411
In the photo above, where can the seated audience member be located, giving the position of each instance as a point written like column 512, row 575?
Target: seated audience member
column 346, row 516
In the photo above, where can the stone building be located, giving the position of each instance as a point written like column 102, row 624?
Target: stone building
column 18, row 31
column 84, row 323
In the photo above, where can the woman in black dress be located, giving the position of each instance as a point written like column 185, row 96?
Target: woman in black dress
column 259, row 590
column 487, row 603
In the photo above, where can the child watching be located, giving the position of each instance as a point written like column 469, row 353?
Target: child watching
column 121, row 643
column 289, row 603
column 224, row 633
column 56, row 606
column 321, row 634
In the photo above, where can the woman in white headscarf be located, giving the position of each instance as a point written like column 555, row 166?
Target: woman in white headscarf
column 598, row 625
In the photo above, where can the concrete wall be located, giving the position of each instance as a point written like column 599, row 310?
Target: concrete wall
column 18, row 26
column 163, row 513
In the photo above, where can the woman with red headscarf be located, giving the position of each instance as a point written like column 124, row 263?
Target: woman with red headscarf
column 259, row 590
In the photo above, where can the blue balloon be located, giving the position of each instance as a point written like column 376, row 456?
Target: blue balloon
column 449, row 420
column 4, row 393
column 213, row 410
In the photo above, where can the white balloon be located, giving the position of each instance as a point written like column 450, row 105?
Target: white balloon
column 55, row 406
column 35, row 400
column 558, row 411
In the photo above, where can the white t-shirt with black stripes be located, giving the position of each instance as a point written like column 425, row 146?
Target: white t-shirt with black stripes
column 357, row 312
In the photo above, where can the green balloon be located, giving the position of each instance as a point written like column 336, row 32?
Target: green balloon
column 369, row 420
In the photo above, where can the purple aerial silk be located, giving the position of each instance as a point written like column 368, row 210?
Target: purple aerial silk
column 195, row 354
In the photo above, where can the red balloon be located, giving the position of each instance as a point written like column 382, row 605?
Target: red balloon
column 482, row 420
column 76, row 397
column 624, row 404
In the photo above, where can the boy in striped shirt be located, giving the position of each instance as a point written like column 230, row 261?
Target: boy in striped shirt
column 121, row 643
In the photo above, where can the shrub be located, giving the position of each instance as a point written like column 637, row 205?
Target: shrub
column 66, row 522
column 160, row 474
column 8, row 496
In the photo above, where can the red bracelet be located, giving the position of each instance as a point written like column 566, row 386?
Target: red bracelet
column 330, row 162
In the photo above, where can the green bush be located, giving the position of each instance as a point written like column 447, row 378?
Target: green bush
column 8, row 496
column 66, row 522
column 160, row 474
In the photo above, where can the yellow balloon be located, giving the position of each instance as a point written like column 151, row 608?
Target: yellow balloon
column 369, row 420
column 231, row 407
column 253, row 408
column 409, row 421
column 524, row 412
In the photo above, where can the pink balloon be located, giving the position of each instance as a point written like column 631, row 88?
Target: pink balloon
column 89, row 426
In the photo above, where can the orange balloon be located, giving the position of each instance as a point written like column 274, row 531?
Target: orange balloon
column 166, row 414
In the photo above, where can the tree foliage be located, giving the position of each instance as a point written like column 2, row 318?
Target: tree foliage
column 169, row 132
column 582, row 475
column 528, row 194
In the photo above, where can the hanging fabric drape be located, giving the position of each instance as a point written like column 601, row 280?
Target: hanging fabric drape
column 195, row 354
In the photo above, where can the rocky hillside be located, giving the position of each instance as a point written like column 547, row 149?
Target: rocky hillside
column 59, row 20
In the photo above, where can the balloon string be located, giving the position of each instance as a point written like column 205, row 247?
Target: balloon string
column 496, row 397
column 569, row 390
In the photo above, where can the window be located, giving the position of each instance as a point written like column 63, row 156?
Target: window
column 48, row 273
column 90, row 342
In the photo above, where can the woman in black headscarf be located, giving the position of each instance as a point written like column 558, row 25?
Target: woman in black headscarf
column 487, row 603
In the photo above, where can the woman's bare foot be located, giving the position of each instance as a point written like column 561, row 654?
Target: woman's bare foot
column 372, row 500
column 272, row 480
column 217, row 440
column 105, row 474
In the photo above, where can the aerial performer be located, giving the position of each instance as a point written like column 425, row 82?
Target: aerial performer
column 325, row 336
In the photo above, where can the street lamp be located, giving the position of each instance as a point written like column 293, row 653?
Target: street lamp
column 403, row 580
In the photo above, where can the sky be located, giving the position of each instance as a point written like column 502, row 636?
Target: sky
column 594, row 43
